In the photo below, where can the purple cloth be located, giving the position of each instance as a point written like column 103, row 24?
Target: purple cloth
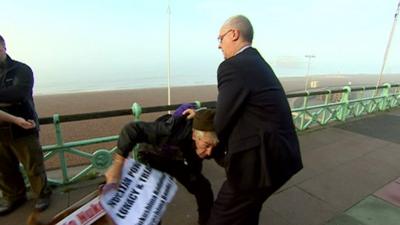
column 178, row 112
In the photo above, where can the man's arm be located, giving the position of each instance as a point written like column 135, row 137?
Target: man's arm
column 132, row 134
column 140, row 132
column 231, row 95
column 26, row 124
column 113, row 174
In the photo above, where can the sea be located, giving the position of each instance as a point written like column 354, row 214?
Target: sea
column 108, row 83
column 84, row 84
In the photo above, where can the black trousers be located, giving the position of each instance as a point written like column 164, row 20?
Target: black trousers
column 193, row 181
column 238, row 208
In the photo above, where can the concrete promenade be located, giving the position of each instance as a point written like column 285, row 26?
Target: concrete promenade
column 351, row 176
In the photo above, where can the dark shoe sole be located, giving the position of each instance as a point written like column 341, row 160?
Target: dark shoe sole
column 42, row 207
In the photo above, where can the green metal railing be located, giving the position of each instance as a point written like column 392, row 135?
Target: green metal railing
column 322, row 107
column 309, row 109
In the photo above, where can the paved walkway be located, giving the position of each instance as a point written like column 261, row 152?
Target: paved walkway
column 351, row 177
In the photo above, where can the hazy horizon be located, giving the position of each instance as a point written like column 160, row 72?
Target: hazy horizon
column 291, row 83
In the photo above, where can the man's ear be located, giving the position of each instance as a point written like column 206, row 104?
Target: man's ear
column 193, row 136
column 236, row 35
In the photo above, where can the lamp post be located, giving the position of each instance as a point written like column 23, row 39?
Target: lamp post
column 388, row 46
column 308, row 70
column 169, row 55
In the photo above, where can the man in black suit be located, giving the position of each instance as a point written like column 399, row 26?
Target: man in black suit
column 254, row 124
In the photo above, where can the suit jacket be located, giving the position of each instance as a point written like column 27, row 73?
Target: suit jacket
column 254, row 123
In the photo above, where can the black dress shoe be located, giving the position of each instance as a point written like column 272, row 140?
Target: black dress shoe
column 7, row 207
column 42, row 203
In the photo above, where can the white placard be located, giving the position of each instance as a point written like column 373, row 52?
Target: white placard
column 141, row 197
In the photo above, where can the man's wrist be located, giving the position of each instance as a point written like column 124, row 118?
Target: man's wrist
column 119, row 157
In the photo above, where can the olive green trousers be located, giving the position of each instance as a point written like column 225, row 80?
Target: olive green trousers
column 27, row 151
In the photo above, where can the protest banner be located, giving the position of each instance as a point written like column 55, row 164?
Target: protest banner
column 85, row 215
column 141, row 197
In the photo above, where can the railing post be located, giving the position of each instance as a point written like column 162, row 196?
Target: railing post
column 385, row 94
column 344, row 103
column 326, row 102
column 358, row 109
column 60, row 142
column 198, row 104
column 136, row 111
column 371, row 103
column 303, row 116
column 397, row 97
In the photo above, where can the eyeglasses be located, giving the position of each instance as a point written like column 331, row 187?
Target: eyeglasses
column 221, row 37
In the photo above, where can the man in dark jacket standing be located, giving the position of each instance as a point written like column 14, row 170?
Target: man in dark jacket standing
column 19, row 145
column 254, row 123
column 176, row 145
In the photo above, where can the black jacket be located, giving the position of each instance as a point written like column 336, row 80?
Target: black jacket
column 170, row 138
column 253, row 120
column 16, row 83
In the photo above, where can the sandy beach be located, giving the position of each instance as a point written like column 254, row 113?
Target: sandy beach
column 85, row 102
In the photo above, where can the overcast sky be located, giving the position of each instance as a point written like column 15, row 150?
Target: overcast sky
column 95, row 39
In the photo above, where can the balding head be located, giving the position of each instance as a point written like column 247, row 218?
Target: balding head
column 235, row 34
column 3, row 55
column 2, row 42
column 242, row 24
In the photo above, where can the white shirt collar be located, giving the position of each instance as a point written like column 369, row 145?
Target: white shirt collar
column 243, row 48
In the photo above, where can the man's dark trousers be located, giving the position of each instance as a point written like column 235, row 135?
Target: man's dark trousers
column 233, row 207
